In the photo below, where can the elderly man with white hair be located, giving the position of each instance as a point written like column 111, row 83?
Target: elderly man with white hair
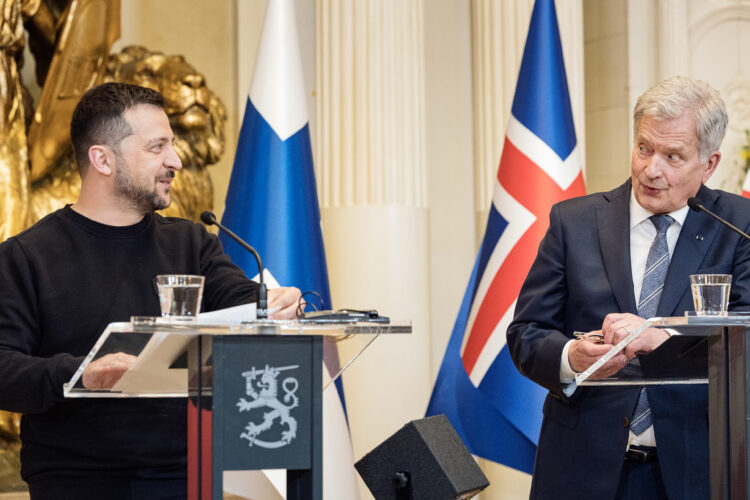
column 609, row 261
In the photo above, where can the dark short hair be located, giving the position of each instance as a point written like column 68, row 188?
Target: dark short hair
column 99, row 116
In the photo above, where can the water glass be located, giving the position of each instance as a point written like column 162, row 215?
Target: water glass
column 710, row 293
column 180, row 296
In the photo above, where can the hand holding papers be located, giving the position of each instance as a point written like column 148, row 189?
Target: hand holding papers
column 614, row 351
column 603, row 353
column 617, row 326
column 588, row 349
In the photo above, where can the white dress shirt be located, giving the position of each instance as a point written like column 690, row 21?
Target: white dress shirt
column 642, row 234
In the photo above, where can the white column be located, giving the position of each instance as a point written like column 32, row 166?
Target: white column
column 370, row 165
column 673, row 39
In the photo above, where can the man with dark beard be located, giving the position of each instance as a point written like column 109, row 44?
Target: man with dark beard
column 89, row 264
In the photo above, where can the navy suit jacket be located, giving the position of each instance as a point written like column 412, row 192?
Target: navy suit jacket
column 582, row 272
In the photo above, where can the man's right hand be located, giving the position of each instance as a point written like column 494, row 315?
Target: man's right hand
column 583, row 354
column 106, row 371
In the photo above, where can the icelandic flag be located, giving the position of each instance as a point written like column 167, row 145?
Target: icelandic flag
column 746, row 186
column 272, row 203
column 495, row 410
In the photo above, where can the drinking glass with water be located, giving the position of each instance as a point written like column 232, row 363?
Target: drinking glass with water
column 180, row 295
column 711, row 293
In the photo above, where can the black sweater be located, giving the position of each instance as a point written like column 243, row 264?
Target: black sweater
column 61, row 282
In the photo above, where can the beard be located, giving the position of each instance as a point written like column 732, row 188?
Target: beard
column 141, row 198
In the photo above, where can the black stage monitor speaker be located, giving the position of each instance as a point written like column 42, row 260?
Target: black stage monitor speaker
column 424, row 460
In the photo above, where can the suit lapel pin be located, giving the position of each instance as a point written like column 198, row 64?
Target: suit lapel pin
column 699, row 237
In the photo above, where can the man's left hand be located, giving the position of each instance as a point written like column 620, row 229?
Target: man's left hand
column 617, row 326
column 106, row 371
column 287, row 299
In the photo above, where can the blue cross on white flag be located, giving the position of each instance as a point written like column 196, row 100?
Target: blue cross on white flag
column 272, row 203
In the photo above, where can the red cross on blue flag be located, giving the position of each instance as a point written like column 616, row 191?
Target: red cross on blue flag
column 495, row 410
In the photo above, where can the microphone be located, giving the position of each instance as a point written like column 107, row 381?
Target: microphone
column 695, row 204
column 208, row 218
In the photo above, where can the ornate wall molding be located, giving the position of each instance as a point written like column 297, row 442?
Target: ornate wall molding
column 711, row 20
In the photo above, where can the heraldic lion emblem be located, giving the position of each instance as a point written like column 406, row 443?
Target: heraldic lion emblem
column 264, row 394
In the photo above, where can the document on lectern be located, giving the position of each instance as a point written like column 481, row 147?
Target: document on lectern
column 153, row 370
column 583, row 376
column 681, row 359
column 156, row 369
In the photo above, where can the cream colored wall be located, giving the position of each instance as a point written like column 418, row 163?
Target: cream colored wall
column 371, row 150
column 607, row 99
column 715, row 49
column 450, row 157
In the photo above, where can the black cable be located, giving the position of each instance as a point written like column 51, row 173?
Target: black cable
column 301, row 304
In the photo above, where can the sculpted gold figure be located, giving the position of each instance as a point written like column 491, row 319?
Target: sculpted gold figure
column 70, row 47
column 10, row 445
column 14, row 191
column 71, row 41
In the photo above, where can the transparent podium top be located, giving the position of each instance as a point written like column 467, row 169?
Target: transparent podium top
column 682, row 359
column 160, row 368
column 691, row 322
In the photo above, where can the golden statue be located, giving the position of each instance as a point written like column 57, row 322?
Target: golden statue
column 71, row 41
column 14, row 192
column 10, row 446
column 70, row 48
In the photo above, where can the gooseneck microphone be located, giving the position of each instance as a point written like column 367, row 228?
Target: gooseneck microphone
column 695, row 204
column 208, row 218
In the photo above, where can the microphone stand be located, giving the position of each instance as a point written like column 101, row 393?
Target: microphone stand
column 209, row 219
column 695, row 204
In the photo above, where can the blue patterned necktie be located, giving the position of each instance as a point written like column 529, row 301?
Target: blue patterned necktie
column 657, row 264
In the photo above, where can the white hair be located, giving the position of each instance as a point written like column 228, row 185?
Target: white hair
column 675, row 96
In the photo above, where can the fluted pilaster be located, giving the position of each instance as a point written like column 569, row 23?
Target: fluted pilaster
column 370, row 84
column 673, row 38
column 371, row 170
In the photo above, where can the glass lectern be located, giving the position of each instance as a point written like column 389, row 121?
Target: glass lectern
column 254, row 390
column 711, row 350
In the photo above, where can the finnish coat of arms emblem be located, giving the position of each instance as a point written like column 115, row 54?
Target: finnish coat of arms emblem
column 263, row 388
